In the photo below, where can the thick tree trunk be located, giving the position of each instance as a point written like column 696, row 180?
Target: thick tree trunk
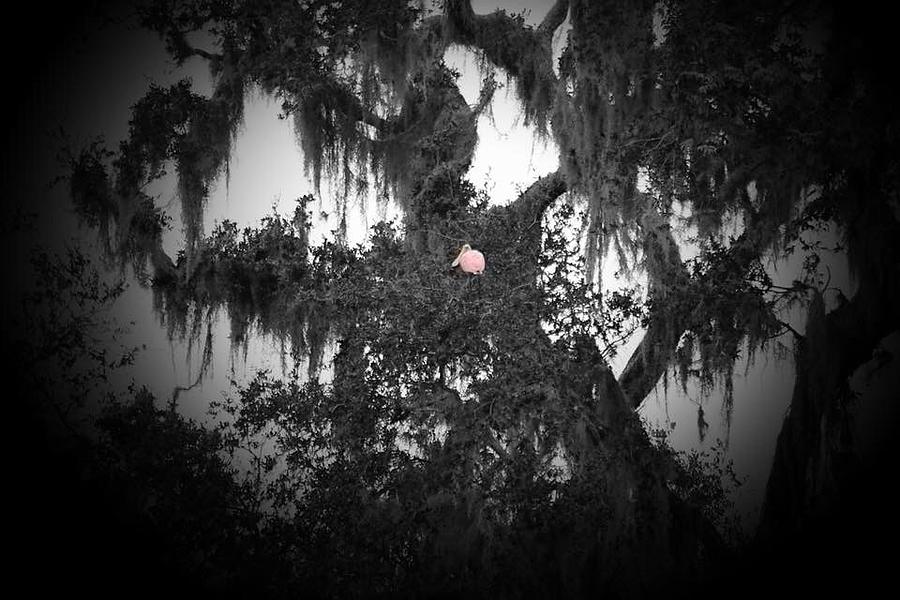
column 828, row 505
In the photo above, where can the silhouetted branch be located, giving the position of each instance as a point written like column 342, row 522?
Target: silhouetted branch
column 654, row 353
column 554, row 18
column 525, row 53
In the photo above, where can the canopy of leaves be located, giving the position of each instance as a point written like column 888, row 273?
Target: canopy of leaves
column 468, row 417
column 733, row 113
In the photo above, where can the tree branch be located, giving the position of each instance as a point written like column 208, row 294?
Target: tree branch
column 541, row 194
column 554, row 18
column 181, row 49
column 525, row 53
column 525, row 212
column 355, row 110
column 650, row 359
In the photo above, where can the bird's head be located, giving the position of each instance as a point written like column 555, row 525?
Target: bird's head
column 465, row 248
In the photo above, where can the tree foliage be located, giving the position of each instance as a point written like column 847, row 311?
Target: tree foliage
column 472, row 426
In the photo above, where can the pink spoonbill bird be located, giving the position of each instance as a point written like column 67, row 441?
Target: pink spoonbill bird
column 470, row 261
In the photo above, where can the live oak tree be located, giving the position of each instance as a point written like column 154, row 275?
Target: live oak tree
column 472, row 437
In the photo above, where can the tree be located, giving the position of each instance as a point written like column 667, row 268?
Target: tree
column 475, row 423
